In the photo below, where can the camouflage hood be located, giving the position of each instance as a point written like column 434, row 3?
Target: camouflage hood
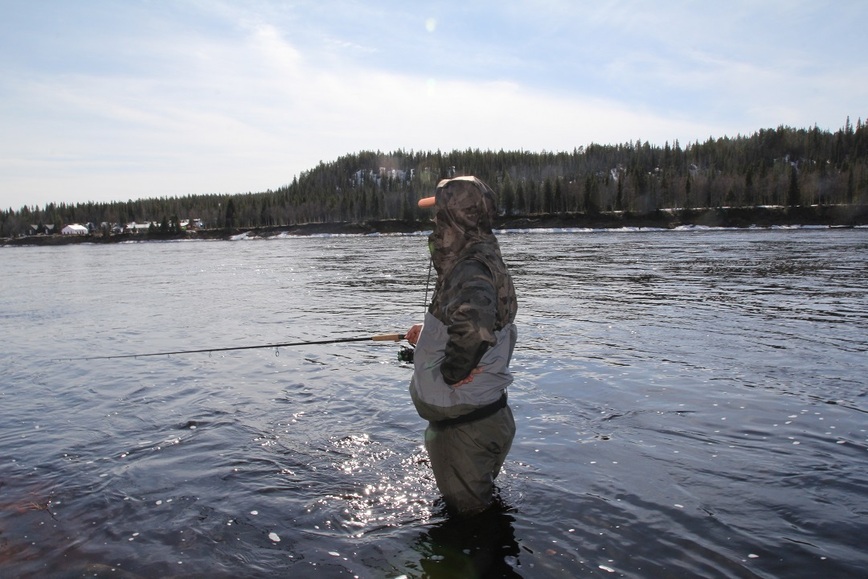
column 464, row 212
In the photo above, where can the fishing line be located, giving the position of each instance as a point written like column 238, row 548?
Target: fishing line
column 377, row 338
column 406, row 353
column 428, row 282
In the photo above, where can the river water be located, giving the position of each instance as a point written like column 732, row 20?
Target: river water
column 688, row 403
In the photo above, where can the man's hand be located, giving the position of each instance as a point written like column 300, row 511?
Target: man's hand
column 469, row 378
column 412, row 334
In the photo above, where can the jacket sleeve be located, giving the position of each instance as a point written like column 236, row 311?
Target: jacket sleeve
column 471, row 315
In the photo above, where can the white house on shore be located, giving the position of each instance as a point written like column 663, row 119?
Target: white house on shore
column 135, row 227
column 74, row 229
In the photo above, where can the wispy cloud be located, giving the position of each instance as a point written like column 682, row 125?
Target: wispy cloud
column 203, row 97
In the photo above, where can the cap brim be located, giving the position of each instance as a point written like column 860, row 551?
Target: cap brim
column 427, row 202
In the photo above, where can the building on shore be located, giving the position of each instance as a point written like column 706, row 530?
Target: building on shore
column 74, row 229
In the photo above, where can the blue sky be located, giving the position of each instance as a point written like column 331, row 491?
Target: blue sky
column 105, row 100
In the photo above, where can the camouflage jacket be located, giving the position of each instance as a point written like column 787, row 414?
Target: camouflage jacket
column 470, row 322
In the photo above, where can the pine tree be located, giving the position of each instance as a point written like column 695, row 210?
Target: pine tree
column 793, row 194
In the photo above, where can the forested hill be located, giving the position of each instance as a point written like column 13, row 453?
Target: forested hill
column 783, row 166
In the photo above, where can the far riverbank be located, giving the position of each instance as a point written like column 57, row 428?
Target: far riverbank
column 726, row 217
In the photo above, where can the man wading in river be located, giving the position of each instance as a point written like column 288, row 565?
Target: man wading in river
column 461, row 363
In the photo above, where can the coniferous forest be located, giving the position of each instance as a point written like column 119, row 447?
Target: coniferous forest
column 773, row 167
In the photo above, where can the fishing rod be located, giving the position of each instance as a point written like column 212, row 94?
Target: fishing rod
column 377, row 338
column 405, row 355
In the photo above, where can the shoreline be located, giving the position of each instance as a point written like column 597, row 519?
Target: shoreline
column 843, row 216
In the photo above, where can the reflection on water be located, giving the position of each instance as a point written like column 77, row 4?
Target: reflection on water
column 481, row 546
column 687, row 404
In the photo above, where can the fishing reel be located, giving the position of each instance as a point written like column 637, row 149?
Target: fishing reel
column 405, row 354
